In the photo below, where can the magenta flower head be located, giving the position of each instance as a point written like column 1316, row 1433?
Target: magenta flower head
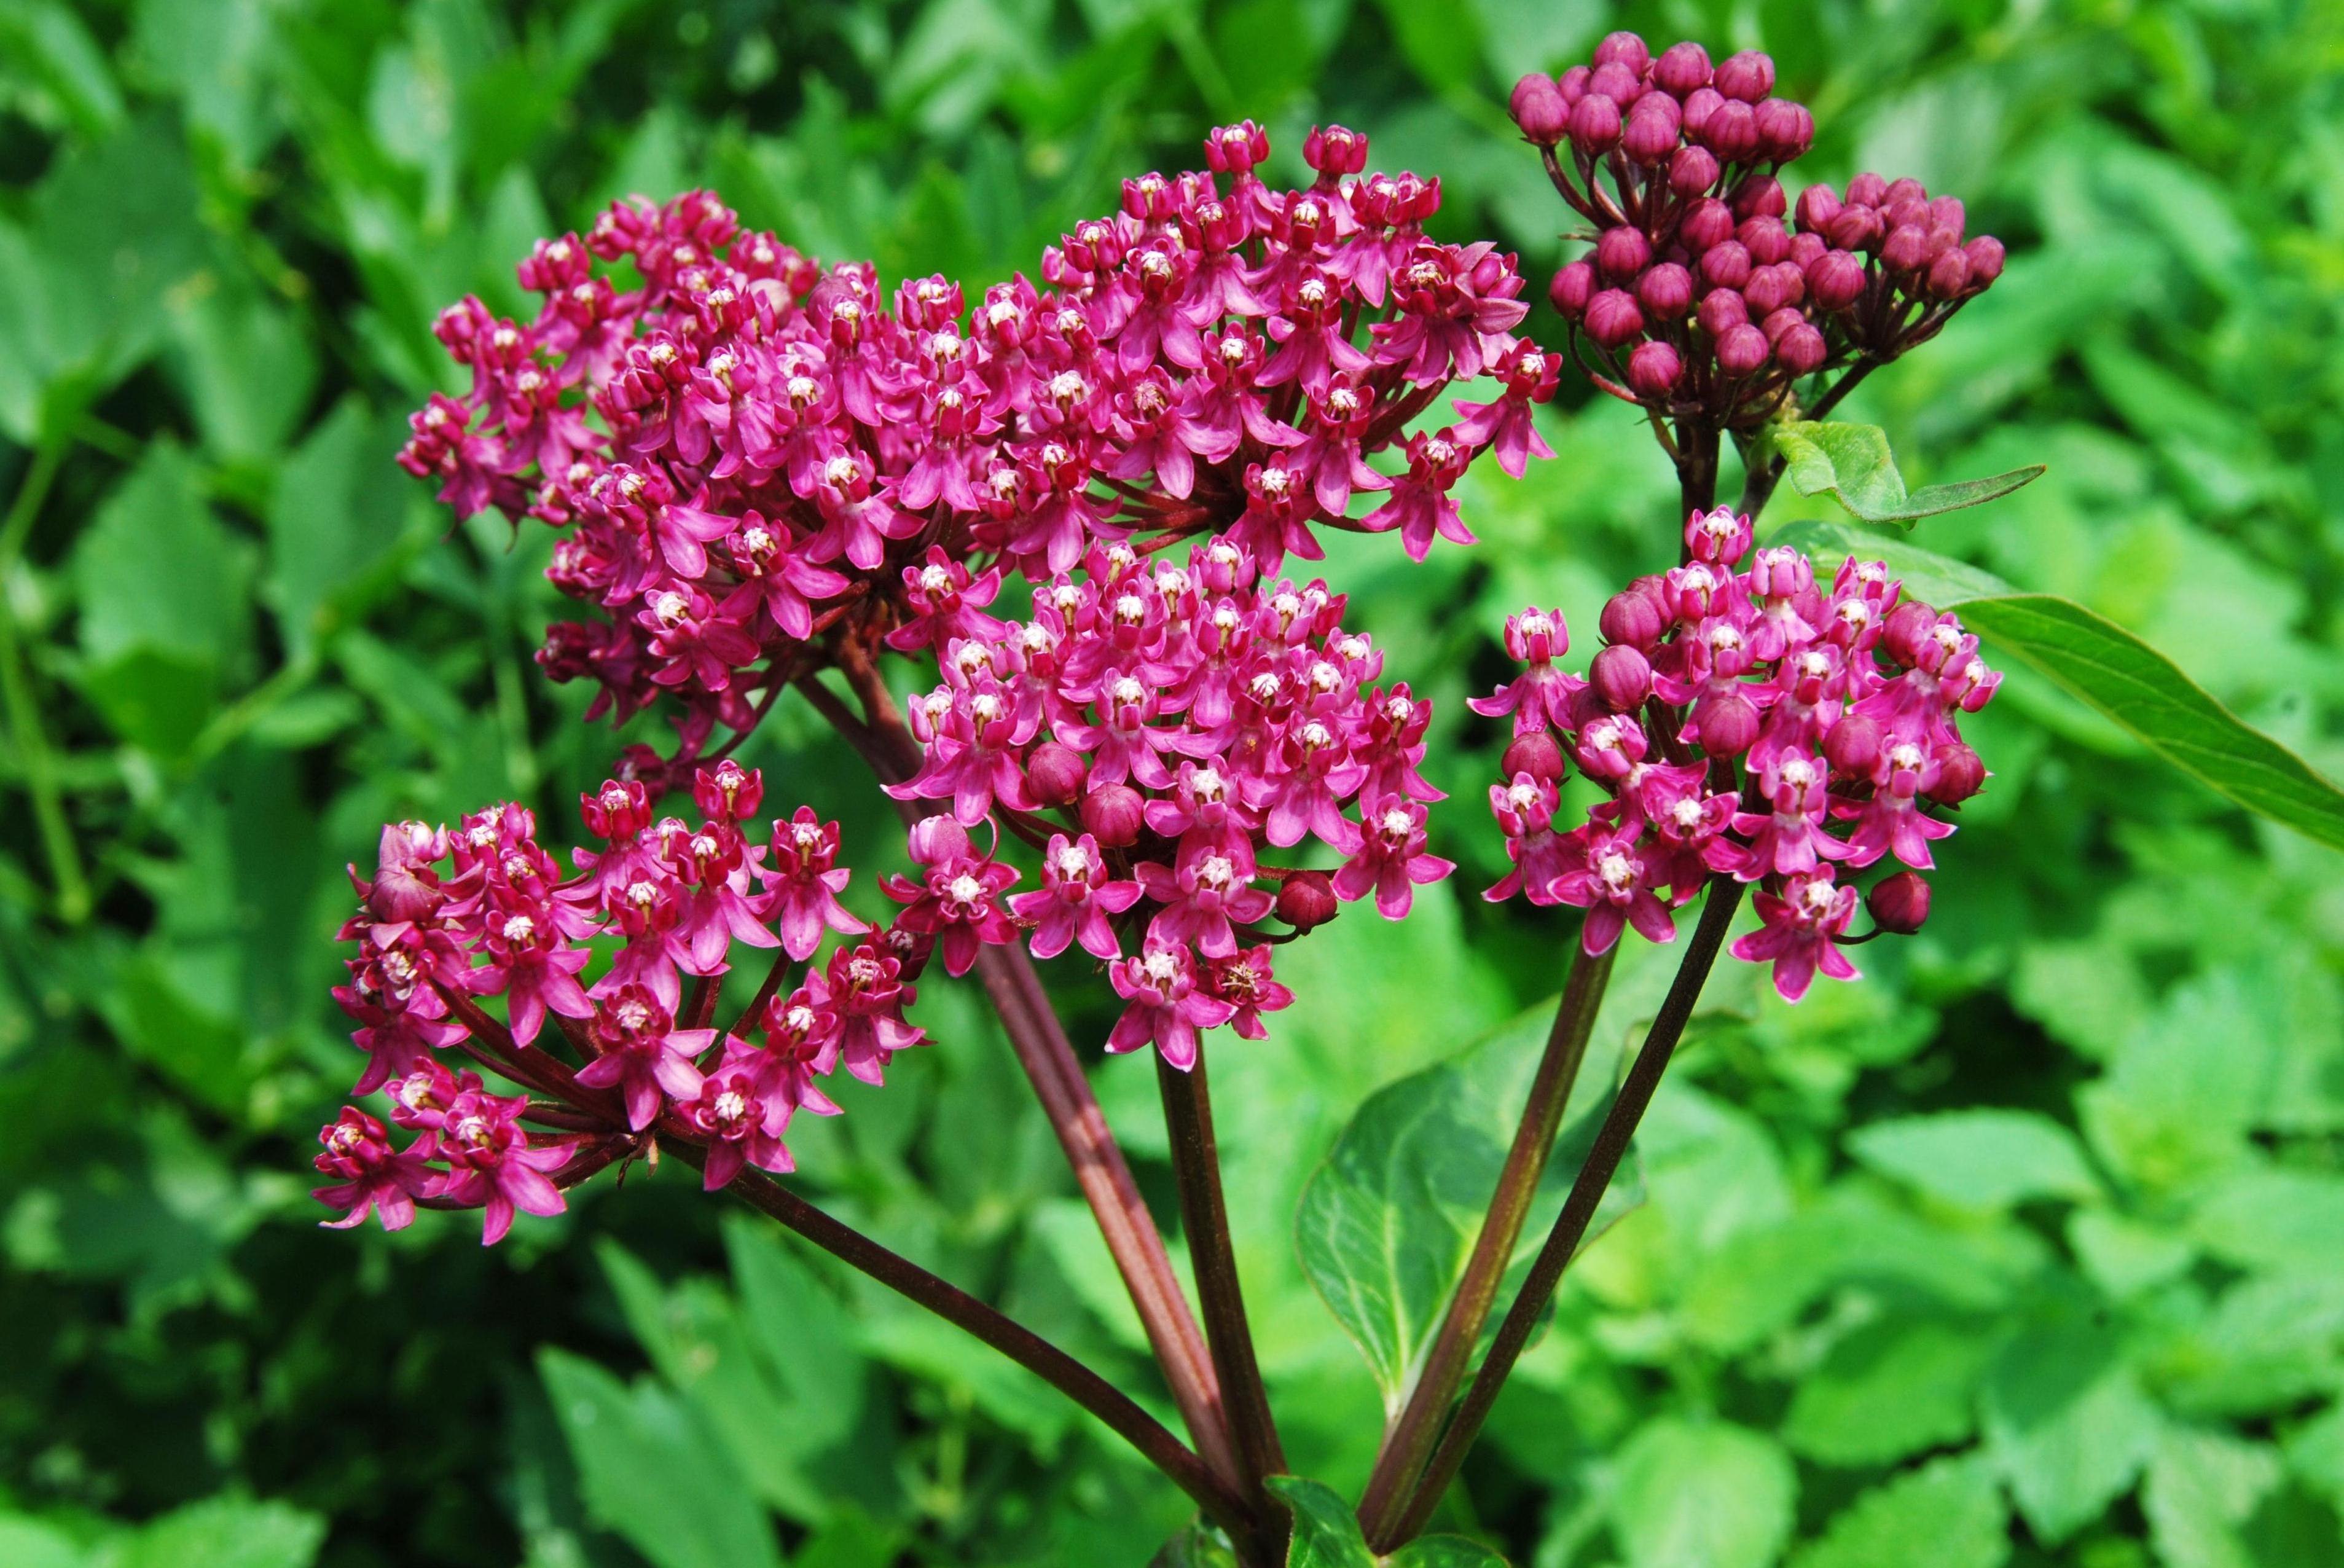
column 1163, row 1005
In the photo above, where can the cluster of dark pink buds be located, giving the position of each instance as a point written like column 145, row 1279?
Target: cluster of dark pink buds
column 1697, row 296
column 1152, row 730
column 781, row 462
column 1749, row 721
column 483, row 912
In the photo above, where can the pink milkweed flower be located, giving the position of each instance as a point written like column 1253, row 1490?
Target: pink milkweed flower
column 803, row 881
column 1791, row 837
column 955, row 900
column 732, row 1116
column 715, row 867
column 1244, row 981
column 1614, row 889
column 1539, row 697
column 946, row 603
column 1163, row 1005
column 1075, row 900
column 1205, row 899
column 374, row 1178
column 528, row 965
column 1717, row 538
column 1421, row 506
column 1314, row 770
column 863, row 988
column 1800, row 924
column 645, row 1055
column 1892, row 818
column 775, row 578
column 492, row 1164
column 1387, row 856
column 801, row 1042
column 1530, row 375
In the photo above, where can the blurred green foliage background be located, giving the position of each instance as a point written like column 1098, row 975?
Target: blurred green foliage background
column 2028, row 1249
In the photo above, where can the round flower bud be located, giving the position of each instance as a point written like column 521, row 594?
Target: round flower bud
column 1595, row 124
column 1765, row 239
column 1899, row 903
column 1691, row 171
column 1835, row 280
column 1699, row 104
column 1572, row 84
column 1055, row 773
column 1632, row 620
column 1818, row 204
column 1785, row 130
column 1852, row 746
column 1948, row 212
column 1900, row 191
column 1731, row 131
column 1777, row 322
column 1113, row 813
column 1986, row 259
column 1742, row 350
column 1622, row 677
column 1666, row 292
column 1682, row 69
column 1538, row 753
column 1572, row 288
column 1867, row 190
column 1855, row 228
column 1721, row 311
column 1908, row 626
column 1764, row 293
column 1612, row 317
column 1624, row 49
column 1308, row 900
column 1727, row 266
column 1906, row 248
column 1537, row 108
column 1728, row 724
column 1949, row 275
column 1758, row 195
column 1655, row 368
column 1805, row 248
column 1651, row 132
column 1706, row 222
column 1748, row 75
column 1617, row 83
column 1800, row 349
column 1622, row 252
column 1960, row 774
column 910, row 949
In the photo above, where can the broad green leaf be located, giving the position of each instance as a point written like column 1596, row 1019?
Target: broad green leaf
column 2202, row 1485
column 29, row 1544
column 2067, row 1424
column 1703, row 1494
column 54, row 45
column 334, row 524
column 651, row 1475
column 225, row 1532
column 926, row 1346
column 1197, row 1545
column 1946, row 1514
column 1852, row 464
column 1934, row 579
column 2274, row 1219
column 1326, row 1531
column 1444, row 1551
column 1386, row 1224
column 1889, row 1390
column 1978, row 1158
column 2140, row 689
column 247, row 368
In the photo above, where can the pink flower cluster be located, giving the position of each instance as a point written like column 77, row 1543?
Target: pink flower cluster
column 1751, row 721
column 1180, row 719
column 748, row 450
column 483, row 911
column 1697, row 296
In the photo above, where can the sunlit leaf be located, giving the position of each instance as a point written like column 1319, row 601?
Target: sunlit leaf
column 1851, row 463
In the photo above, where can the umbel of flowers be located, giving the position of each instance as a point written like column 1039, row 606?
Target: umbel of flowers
column 762, row 467
column 1758, row 723
column 1700, row 296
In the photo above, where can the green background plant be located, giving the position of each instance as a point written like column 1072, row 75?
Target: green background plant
column 2025, row 1251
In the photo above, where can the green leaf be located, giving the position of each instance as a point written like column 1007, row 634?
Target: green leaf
column 1197, row 1545
column 2066, row 1425
column 246, row 368
column 1889, row 1390
column 648, row 1474
column 2202, row 1485
column 1385, row 1226
column 29, row 1544
column 1946, row 1514
column 2273, row 1219
column 56, row 47
column 1853, row 465
column 1326, row 1531
column 1978, row 1158
column 1703, row 1494
column 334, row 525
column 162, row 592
column 227, row 1533
column 2140, row 689
column 1444, row 1551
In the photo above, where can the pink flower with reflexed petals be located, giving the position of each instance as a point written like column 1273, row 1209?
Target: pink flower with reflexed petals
column 1389, row 857
column 374, row 1178
column 492, row 1164
column 1800, row 924
column 1539, row 698
column 957, row 901
column 645, row 1055
column 1163, row 1004
column 1075, row 899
